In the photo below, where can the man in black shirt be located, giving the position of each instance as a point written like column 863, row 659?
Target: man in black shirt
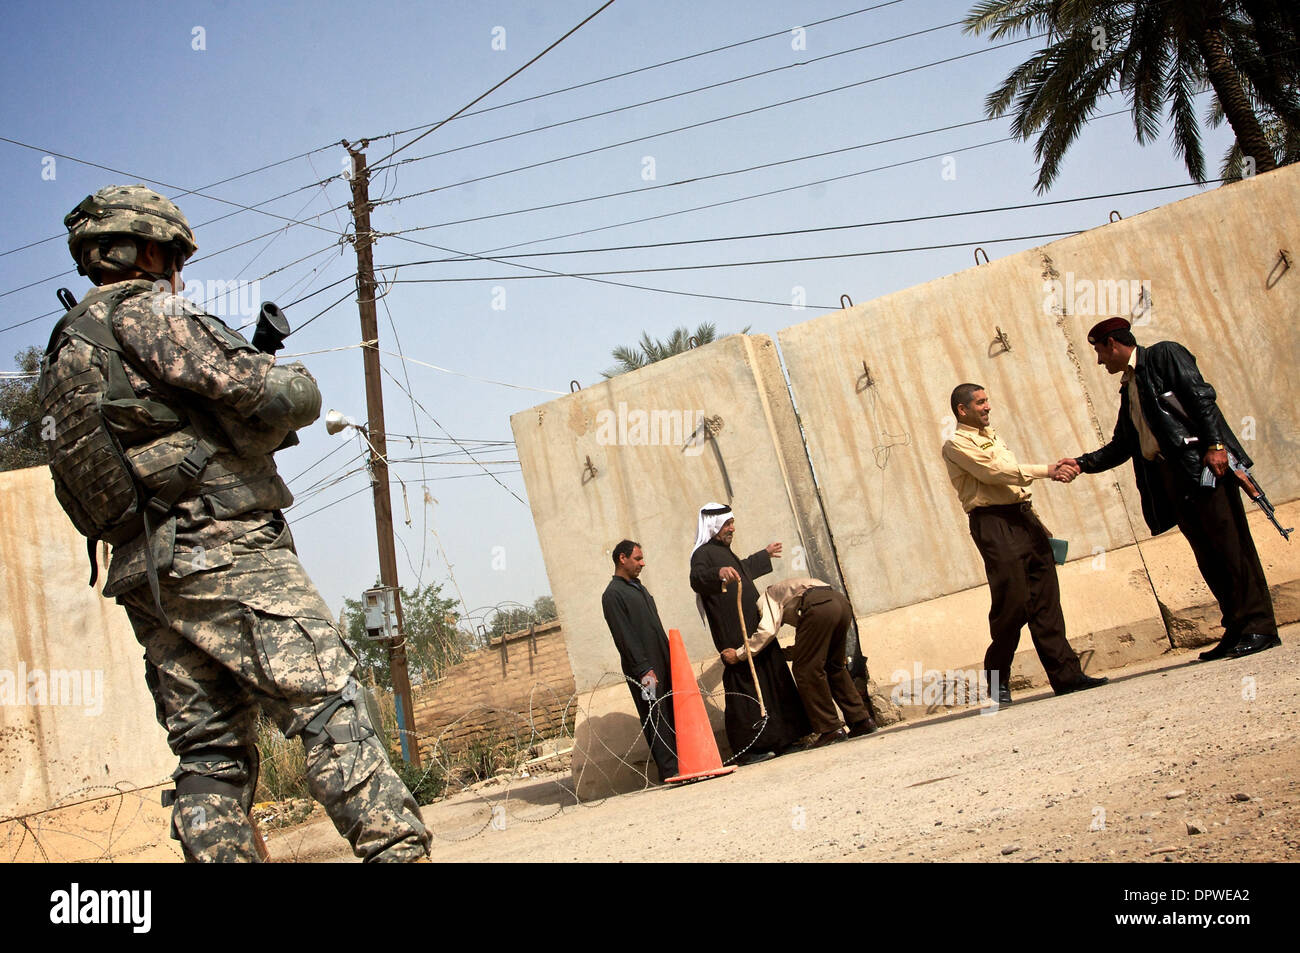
column 642, row 644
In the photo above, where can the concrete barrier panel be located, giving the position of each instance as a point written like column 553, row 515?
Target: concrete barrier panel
column 898, row 528
column 75, row 714
column 609, row 462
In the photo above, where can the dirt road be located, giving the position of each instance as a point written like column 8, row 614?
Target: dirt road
column 1175, row 760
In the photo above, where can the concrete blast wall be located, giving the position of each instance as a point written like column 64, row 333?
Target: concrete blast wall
column 1206, row 271
column 871, row 384
column 643, row 485
column 76, row 719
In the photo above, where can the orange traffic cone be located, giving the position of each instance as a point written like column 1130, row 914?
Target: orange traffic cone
column 697, row 751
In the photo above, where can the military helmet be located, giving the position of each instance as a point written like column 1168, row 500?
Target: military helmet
column 99, row 226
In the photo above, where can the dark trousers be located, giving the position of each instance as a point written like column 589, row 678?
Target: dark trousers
column 818, row 661
column 1022, row 582
column 657, row 726
column 1214, row 523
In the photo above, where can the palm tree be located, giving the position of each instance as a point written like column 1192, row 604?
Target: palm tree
column 1153, row 51
column 650, row 350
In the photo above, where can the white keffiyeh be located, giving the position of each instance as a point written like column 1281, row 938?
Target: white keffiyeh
column 713, row 516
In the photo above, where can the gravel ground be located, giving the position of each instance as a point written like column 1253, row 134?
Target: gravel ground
column 1174, row 761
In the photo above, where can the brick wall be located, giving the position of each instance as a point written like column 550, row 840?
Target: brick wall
column 518, row 687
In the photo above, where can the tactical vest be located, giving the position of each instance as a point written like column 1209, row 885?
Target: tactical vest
column 121, row 462
column 85, row 393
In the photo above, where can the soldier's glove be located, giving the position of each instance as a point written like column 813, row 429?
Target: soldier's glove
column 290, row 398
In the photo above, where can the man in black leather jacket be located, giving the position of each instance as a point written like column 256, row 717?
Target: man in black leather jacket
column 1171, row 428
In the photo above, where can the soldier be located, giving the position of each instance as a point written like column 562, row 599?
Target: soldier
column 165, row 425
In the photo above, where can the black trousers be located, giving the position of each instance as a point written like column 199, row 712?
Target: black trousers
column 657, row 726
column 818, row 661
column 1214, row 523
column 1022, row 582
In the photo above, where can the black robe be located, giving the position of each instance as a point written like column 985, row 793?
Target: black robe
column 786, row 720
column 633, row 621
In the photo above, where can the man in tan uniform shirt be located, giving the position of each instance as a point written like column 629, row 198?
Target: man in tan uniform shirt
column 992, row 487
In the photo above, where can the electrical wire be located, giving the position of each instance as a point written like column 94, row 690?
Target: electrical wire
column 765, row 194
column 444, row 430
column 810, row 231
column 415, row 419
column 741, row 264
column 642, row 190
column 661, row 99
column 653, row 66
column 489, row 92
column 166, row 185
column 198, row 191
column 705, row 122
column 625, row 284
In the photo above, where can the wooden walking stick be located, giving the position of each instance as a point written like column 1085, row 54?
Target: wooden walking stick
column 749, row 656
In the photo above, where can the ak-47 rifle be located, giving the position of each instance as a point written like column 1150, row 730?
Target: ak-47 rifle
column 1242, row 472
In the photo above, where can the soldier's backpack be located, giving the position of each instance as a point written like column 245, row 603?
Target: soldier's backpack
column 90, row 407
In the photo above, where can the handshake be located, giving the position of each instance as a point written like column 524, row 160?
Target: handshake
column 1064, row 470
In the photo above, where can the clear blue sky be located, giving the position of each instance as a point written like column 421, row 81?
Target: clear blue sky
column 124, row 86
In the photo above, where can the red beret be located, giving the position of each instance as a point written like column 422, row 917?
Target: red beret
column 1103, row 329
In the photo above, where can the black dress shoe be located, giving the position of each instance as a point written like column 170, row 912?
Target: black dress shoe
column 1084, row 683
column 827, row 738
column 865, row 727
column 754, row 757
column 1222, row 650
column 1004, row 694
column 1253, row 642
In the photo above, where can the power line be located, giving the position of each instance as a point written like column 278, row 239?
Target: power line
column 642, row 190
column 444, row 430
column 653, row 66
column 770, row 192
column 39, row 317
column 166, row 185
column 197, row 191
column 485, row 255
column 739, row 264
column 71, row 271
column 302, row 473
column 330, row 307
column 806, row 231
column 622, row 284
column 456, row 476
column 671, row 96
column 483, row 96
column 707, row 122
column 299, row 519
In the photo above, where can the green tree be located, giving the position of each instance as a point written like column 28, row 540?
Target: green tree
column 20, row 416
column 433, row 641
column 1154, row 52
column 649, row 350
column 514, row 618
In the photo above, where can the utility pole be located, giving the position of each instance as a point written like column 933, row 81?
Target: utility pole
column 377, row 438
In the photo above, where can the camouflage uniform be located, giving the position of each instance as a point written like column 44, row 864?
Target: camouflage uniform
column 244, row 627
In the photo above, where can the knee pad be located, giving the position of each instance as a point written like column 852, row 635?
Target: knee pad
column 212, row 828
column 227, row 772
